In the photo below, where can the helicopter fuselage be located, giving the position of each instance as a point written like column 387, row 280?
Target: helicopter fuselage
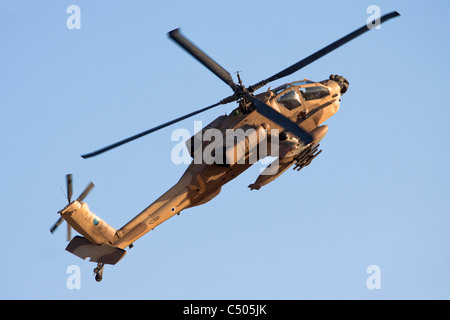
column 306, row 103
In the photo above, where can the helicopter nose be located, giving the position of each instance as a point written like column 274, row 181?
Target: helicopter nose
column 343, row 83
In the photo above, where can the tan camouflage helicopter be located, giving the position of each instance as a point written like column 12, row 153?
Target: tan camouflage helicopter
column 288, row 119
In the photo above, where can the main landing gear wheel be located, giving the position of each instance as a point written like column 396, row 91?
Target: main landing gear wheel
column 98, row 272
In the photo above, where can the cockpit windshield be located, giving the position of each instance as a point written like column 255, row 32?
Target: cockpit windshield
column 283, row 87
column 299, row 83
column 277, row 90
column 313, row 93
column 290, row 100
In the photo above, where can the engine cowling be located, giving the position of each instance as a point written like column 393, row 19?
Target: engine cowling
column 238, row 144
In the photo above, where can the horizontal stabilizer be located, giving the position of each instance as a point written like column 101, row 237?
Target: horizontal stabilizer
column 101, row 253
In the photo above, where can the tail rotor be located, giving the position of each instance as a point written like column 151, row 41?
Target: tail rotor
column 83, row 195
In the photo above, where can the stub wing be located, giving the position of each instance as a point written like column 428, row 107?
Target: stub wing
column 278, row 166
column 273, row 171
column 101, row 253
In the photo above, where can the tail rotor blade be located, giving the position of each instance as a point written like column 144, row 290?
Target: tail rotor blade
column 86, row 192
column 56, row 225
column 69, row 187
column 69, row 232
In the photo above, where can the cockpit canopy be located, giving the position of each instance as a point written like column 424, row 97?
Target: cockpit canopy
column 290, row 85
column 290, row 98
column 313, row 93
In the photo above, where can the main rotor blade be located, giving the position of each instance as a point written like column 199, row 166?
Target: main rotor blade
column 86, row 192
column 56, row 225
column 203, row 58
column 280, row 119
column 319, row 54
column 69, row 187
column 139, row 135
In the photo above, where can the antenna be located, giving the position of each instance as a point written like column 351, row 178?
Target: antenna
column 239, row 78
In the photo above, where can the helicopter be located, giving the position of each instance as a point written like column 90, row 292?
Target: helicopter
column 285, row 122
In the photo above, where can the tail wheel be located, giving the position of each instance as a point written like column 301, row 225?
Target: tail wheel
column 99, row 272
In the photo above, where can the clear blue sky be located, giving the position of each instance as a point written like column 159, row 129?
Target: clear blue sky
column 377, row 195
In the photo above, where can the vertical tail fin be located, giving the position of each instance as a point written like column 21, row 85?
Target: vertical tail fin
column 94, row 229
